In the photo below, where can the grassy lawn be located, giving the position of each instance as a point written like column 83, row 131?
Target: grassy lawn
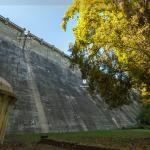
column 130, row 133
column 123, row 139
column 126, row 133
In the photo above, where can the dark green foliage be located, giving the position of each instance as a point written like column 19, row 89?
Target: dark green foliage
column 104, row 78
column 145, row 116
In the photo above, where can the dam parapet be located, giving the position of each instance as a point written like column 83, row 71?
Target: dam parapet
column 24, row 39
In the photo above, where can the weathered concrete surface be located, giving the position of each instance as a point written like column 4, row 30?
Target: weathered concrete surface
column 49, row 95
column 7, row 99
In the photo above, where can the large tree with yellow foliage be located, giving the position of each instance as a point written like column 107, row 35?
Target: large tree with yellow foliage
column 112, row 47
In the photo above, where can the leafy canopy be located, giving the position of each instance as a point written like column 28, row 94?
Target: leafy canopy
column 112, row 47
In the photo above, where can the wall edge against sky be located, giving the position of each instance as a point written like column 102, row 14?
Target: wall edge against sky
column 40, row 40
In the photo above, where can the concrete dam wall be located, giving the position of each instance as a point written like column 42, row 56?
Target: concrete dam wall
column 49, row 94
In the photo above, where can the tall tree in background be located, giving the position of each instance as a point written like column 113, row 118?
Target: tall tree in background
column 112, row 47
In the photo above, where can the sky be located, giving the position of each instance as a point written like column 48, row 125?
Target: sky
column 42, row 18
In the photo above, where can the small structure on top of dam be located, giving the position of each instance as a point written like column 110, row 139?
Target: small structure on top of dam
column 7, row 100
column 49, row 94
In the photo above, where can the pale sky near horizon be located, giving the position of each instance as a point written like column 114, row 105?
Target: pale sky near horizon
column 42, row 18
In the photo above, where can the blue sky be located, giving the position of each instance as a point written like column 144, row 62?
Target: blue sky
column 42, row 19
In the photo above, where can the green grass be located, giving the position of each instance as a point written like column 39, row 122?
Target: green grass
column 114, row 138
column 129, row 133
column 132, row 133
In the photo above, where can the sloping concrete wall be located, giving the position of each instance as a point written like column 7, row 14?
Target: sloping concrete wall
column 49, row 95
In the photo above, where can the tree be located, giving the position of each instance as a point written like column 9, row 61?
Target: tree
column 112, row 47
column 144, row 117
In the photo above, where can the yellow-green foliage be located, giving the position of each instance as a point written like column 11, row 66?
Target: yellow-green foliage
column 120, row 28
